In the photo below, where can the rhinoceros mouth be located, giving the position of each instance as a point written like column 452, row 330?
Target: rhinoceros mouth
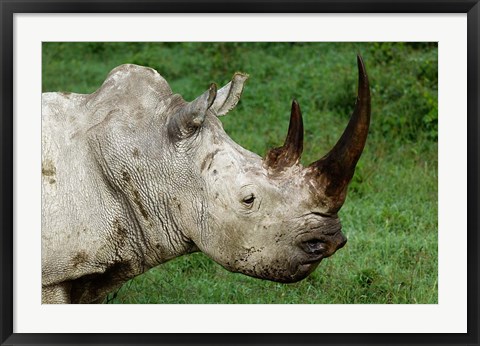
column 302, row 271
column 312, row 259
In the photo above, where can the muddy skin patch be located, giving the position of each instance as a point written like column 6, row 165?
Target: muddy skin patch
column 138, row 202
column 208, row 159
column 136, row 195
column 122, row 231
column 80, row 257
column 48, row 168
column 177, row 203
column 126, row 177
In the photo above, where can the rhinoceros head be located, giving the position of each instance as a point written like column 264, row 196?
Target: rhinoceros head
column 268, row 217
column 188, row 186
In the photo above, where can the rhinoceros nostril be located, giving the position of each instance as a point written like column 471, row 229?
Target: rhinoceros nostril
column 314, row 247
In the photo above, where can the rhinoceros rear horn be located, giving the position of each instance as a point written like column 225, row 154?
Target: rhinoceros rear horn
column 331, row 174
column 289, row 154
column 191, row 116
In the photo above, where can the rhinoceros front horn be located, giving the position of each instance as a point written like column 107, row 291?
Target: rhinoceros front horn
column 289, row 154
column 331, row 174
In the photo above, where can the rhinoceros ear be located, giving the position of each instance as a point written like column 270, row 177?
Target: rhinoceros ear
column 190, row 117
column 229, row 95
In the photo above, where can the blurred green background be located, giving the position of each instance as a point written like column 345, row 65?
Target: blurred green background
column 390, row 216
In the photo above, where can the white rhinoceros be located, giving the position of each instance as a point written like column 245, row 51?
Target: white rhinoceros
column 133, row 176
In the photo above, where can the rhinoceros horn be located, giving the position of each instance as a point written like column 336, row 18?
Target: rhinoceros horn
column 289, row 154
column 331, row 174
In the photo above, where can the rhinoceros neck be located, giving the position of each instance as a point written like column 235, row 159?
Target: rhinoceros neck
column 161, row 212
column 155, row 201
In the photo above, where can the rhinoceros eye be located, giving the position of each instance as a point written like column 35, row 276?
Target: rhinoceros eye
column 249, row 200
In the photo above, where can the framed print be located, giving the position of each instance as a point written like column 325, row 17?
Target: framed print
column 351, row 139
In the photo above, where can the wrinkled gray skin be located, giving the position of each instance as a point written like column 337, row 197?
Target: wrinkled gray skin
column 134, row 176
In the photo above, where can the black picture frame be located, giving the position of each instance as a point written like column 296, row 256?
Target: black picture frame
column 9, row 7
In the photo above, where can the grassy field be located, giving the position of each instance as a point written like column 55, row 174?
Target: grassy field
column 390, row 216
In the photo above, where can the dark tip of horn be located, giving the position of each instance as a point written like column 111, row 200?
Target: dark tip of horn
column 338, row 166
column 363, row 84
column 289, row 154
column 294, row 140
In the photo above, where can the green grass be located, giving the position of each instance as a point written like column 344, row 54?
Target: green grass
column 390, row 216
